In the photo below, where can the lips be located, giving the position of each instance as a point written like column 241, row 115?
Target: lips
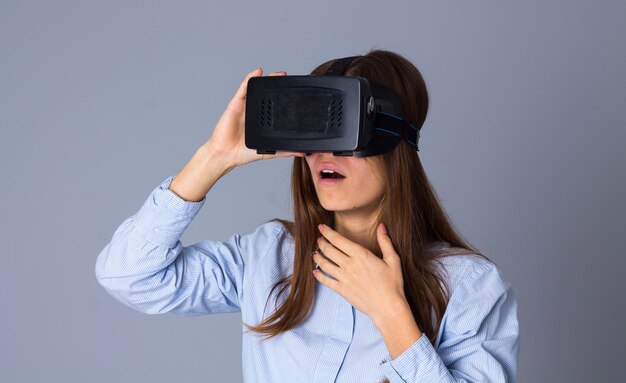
column 326, row 174
column 329, row 166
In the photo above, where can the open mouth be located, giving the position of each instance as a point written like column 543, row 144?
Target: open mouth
column 325, row 174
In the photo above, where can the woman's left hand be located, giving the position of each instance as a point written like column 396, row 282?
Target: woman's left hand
column 373, row 285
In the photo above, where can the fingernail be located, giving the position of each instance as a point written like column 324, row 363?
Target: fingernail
column 382, row 229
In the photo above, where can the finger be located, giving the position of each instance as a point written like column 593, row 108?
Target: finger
column 243, row 88
column 340, row 242
column 281, row 155
column 289, row 154
column 258, row 72
column 332, row 253
column 326, row 281
column 236, row 103
column 386, row 246
column 281, row 73
column 326, row 265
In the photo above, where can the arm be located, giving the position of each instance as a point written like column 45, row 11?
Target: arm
column 398, row 328
column 146, row 267
column 141, row 259
column 480, row 339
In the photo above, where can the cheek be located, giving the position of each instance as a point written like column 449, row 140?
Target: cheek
column 367, row 188
column 308, row 164
column 368, row 180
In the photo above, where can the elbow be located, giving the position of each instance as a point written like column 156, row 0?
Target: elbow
column 136, row 273
column 100, row 270
column 100, row 267
column 142, row 293
column 110, row 277
column 132, row 293
column 105, row 264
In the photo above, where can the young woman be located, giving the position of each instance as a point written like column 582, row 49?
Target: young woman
column 369, row 282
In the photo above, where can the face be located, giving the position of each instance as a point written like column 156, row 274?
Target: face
column 359, row 192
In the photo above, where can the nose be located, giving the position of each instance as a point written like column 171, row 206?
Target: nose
column 316, row 157
column 323, row 154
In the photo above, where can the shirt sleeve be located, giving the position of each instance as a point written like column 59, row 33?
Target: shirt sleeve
column 481, row 338
column 146, row 267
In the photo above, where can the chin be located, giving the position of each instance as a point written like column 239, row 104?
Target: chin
column 329, row 207
column 332, row 206
column 337, row 207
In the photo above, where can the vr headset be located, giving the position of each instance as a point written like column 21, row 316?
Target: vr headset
column 348, row 116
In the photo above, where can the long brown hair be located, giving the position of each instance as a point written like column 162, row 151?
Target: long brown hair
column 410, row 210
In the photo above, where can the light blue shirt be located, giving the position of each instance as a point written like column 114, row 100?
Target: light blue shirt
column 146, row 267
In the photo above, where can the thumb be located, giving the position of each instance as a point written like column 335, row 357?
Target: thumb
column 384, row 241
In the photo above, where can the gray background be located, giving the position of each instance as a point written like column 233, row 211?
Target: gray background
column 100, row 101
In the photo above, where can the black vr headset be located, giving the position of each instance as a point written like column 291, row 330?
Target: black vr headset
column 348, row 116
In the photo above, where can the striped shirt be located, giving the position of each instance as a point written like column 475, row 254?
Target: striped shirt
column 146, row 267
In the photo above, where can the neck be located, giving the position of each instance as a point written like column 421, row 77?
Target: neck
column 356, row 227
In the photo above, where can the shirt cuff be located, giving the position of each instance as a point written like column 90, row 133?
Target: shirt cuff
column 418, row 363
column 164, row 216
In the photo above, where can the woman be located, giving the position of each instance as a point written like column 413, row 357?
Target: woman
column 392, row 293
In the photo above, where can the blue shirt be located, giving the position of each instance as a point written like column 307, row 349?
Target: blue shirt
column 146, row 267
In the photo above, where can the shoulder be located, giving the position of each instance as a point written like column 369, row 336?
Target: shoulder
column 270, row 258
column 480, row 324
column 479, row 291
column 268, row 231
column 469, row 273
column 272, row 245
column 274, row 233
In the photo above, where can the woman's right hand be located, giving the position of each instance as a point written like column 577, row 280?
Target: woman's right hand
column 228, row 139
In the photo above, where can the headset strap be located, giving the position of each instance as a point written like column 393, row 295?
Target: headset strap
column 389, row 123
column 339, row 66
column 392, row 124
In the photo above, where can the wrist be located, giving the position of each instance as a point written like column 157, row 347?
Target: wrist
column 215, row 158
column 199, row 175
column 396, row 308
column 398, row 328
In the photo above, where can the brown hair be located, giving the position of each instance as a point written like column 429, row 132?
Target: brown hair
column 410, row 210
